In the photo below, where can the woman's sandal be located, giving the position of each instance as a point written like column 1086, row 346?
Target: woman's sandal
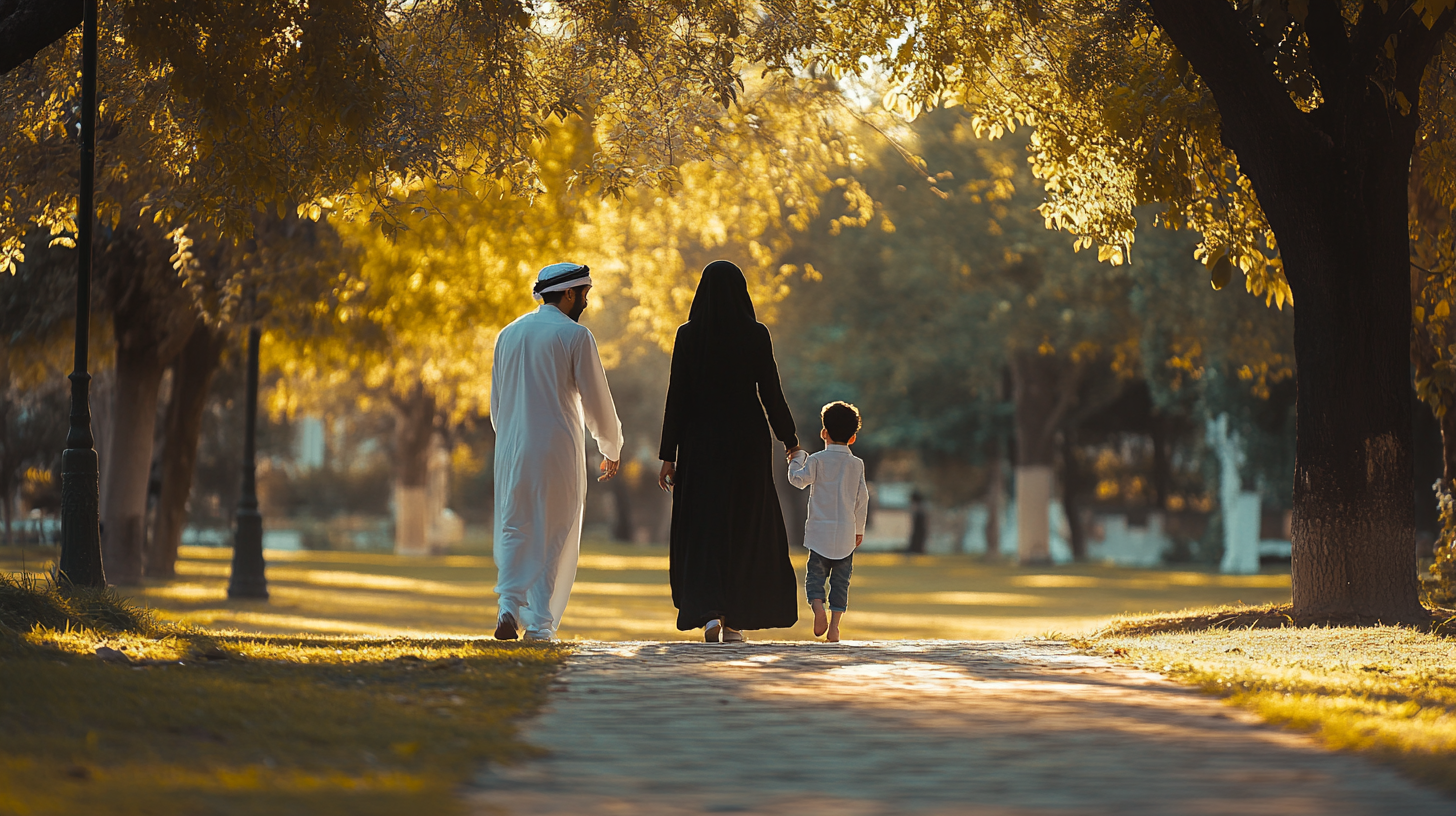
column 712, row 631
column 733, row 635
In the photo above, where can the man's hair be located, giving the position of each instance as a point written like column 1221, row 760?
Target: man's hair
column 554, row 298
column 841, row 420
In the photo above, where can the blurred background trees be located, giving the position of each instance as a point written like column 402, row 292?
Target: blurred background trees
column 376, row 184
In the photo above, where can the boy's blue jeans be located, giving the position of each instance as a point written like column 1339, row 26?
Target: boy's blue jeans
column 837, row 571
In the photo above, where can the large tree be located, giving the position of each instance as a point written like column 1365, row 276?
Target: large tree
column 1292, row 120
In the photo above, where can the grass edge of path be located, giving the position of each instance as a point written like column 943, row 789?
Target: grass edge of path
column 1386, row 692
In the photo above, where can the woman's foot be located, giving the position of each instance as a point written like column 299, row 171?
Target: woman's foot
column 733, row 635
column 821, row 620
column 712, row 631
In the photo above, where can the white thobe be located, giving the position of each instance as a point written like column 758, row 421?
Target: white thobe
column 546, row 381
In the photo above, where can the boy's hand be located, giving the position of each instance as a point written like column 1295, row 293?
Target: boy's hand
column 789, row 454
column 858, row 540
column 666, row 477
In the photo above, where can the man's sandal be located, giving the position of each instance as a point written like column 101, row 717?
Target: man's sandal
column 506, row 628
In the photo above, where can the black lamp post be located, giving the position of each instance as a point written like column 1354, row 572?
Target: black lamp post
column 80, row 480
column 248, row 579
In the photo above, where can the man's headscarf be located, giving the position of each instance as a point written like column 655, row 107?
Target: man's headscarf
column 559, row 277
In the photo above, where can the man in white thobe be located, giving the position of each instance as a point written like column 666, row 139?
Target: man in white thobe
column 547, row 381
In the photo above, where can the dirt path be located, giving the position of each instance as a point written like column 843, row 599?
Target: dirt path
column 931, row 727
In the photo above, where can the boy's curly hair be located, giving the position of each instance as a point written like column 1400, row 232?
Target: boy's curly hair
column 841, row 420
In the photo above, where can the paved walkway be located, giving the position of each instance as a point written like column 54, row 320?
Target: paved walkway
column 935, row 727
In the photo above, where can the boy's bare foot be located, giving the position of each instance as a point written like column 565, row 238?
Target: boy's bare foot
column 821, row 621
column 833, row 632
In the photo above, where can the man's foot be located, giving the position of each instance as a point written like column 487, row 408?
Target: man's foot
column 833, row 632
column 506, row 627
column 732, row 635
column 821, row 620
column 538, row 637
column 713, row 631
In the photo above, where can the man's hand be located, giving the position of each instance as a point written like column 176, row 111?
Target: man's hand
column 666, row 477
column 789, row 454
column 608, row 469
column 858, row 540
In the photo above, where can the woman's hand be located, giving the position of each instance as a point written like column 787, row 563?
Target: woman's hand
column 789, row 454
column 666, row 477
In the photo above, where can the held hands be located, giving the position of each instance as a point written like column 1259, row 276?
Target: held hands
column 608, row 469
column 789, row 454
column 666, row 477
column 858, row 540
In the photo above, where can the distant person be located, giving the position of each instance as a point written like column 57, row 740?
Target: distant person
column 839, row 502
column 729, row 565
column 918, row 526
column 547, row 379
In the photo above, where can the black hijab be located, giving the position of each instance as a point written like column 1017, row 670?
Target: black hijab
column 722, row 302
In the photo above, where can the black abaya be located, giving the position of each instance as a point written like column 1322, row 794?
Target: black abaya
column 730, row 552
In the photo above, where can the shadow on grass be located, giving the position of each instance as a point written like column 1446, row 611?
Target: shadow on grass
column 1436, row 621
column 106, row 709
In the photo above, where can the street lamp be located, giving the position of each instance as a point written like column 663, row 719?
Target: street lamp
column 248, row 579
column 80, row 482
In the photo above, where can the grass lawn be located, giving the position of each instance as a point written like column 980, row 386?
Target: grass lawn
column 1386, row 691
column 173, row 720
column 622, row 593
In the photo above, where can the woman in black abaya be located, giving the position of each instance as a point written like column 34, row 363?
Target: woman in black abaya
column 730, row 565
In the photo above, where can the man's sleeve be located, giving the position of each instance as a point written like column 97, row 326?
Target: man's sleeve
column 596, row 398
column 861, row 505
column 495, row 382
column 801, row 470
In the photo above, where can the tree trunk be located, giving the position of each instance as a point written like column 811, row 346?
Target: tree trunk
column 1035, row 388
column 191, row 379
column 1071, row 483
column 9, row 508
column 995, row 498
column 1448, row 448
column 1334, row 186
column 1162, row 475
column 152, row 317
column 414, row 424
column 9, row 462
column 1354, row 505
column 128, row 462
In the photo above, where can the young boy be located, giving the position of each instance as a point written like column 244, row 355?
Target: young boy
column 838, row 505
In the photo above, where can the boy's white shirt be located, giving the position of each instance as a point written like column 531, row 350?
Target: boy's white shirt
column 839, row 502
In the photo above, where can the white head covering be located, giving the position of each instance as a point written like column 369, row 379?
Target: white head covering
column 559, row 277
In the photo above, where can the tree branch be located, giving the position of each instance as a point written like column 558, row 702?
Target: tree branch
column 27, row 26
column 1275, row 142
column 1329, row 50
column 1416, row 46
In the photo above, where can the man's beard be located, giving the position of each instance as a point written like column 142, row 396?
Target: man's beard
column 575, row 313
